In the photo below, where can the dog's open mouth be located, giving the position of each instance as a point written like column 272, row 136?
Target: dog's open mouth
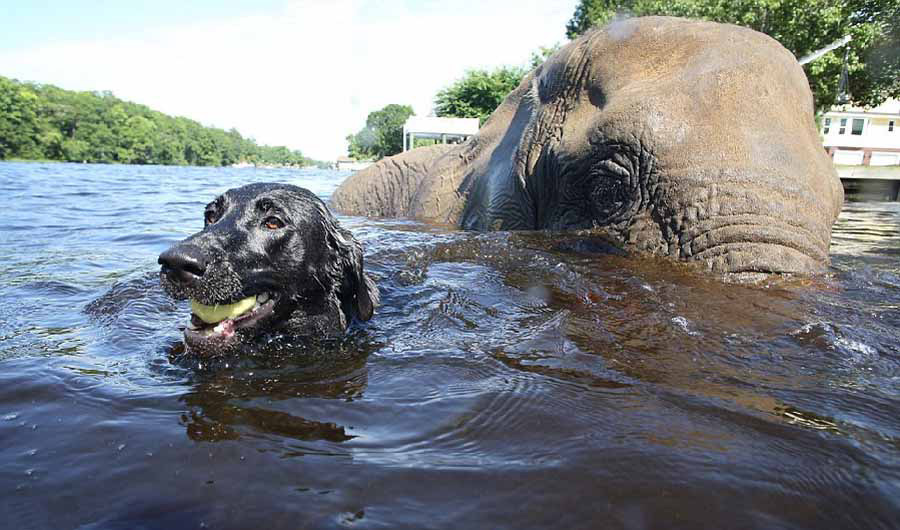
column 221, row 321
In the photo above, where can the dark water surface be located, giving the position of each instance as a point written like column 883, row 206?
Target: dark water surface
column 507, row 381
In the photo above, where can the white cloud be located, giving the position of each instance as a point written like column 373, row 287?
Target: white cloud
column 305, row 76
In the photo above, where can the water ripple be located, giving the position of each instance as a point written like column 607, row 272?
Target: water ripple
column 507, row 380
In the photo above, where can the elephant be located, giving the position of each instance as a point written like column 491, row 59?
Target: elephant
column 681, row 138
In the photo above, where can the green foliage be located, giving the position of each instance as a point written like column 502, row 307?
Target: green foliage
column 542, row 54
column 19, row 130
column 383, row 134
column 590, row 13
column 425, row 142
column 478, row 93
column 43, row 122
column 801, row 26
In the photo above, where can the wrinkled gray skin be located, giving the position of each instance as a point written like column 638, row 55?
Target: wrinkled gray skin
column 687, row 139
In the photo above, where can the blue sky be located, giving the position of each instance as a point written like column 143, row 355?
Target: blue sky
column 30, row 23
column 301, row 73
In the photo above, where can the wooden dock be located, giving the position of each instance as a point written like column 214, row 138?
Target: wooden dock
column 876, row 182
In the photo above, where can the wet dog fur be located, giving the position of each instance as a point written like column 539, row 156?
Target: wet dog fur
column 277, row 242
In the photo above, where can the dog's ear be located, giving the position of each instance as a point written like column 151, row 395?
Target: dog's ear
column 358, row 293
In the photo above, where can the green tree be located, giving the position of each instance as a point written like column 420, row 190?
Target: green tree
column 43, row 121
column 542, row 54
column 19, row 126
column 360, row 146
column 51, row 144
column 478, row 93
column 137, row 140
column 383, row 134
column 801, row 26
column 75, row 150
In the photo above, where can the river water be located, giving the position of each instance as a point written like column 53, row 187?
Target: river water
column 507, row 380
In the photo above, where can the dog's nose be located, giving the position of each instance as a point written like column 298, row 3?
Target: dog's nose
column 183, row 263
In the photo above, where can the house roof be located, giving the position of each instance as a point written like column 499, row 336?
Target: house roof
column 890, row 107
column 434, row 125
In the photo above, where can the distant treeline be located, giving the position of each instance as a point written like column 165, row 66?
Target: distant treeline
column 43, row 122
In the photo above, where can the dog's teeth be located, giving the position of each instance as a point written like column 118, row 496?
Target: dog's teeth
column 263, row 298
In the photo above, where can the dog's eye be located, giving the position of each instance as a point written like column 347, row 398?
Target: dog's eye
column 209, row 217
column 273, row 223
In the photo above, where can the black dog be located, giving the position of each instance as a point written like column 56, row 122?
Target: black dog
column 270, row 257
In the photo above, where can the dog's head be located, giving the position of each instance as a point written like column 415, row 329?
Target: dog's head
column 270, row 257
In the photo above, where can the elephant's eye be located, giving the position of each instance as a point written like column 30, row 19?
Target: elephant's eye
column 613, row 189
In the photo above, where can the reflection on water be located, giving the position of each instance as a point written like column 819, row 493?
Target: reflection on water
column 868, row 229
column 508, row 380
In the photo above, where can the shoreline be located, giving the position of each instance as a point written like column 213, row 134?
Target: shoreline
column 48, row 161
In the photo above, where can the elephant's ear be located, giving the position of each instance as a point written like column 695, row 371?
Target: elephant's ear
column 357, row 292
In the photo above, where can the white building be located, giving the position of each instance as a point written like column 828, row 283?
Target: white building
column 871, row 137
column 443, row 129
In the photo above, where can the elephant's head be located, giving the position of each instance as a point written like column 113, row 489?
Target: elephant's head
column 682, row 138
